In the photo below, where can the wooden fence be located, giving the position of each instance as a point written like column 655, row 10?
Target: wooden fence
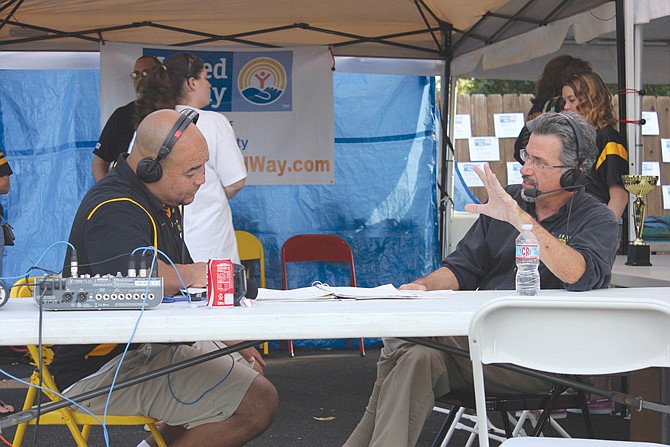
column 481, row 109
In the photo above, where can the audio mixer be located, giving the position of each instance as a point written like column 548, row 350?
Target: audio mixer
column 98, row 292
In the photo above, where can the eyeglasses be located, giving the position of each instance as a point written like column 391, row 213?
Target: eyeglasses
column 190, row 59
column 536, row 162
column 137, row 74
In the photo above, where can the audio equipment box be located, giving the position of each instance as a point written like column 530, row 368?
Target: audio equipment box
column 98, row 292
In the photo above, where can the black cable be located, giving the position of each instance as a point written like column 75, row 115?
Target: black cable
column 9, row 16
column 7, row 4
column 181, row 235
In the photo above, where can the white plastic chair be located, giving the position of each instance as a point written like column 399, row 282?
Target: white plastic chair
column 569, row 335
column 560, row 442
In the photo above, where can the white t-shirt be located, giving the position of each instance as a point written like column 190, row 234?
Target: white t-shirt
column 208, row 221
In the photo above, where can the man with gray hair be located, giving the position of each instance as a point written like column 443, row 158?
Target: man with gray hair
column 578, row 237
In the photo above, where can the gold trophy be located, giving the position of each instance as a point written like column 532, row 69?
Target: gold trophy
column 640, row 185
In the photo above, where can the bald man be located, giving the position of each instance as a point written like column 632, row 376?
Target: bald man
column 125, row 211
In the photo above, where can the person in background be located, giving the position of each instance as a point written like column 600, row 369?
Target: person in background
column 208, row 221
column 587, row 94
column 5, row 172
column 547, row 97
column 120, row 127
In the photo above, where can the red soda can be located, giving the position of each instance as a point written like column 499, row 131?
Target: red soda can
column 220, row 282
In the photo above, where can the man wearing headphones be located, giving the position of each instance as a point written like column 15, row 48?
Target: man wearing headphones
column 578, row 238
column 217, row 403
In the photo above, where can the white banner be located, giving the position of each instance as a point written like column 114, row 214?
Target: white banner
column 280, row 103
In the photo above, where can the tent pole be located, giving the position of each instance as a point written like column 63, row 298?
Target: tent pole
column 629, row 48
column 623, row 98
column 445, row 205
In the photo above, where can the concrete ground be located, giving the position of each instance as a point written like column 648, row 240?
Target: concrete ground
column 322, row 396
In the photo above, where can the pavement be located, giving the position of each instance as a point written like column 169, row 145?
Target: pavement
column 322, row 396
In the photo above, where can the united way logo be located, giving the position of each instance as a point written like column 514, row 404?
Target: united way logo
column 262, row 81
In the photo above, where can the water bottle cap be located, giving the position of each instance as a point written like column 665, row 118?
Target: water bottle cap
column 527, row 226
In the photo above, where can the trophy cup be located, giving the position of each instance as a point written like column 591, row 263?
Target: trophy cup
column 640, row 185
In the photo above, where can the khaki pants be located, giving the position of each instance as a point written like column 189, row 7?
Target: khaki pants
column 411, row 376
column 208, row 392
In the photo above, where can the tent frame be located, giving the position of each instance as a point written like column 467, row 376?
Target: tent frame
column 444, row 48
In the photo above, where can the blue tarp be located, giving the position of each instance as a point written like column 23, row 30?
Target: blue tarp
column 383, row 201
column 462, row 194
column 49, row 124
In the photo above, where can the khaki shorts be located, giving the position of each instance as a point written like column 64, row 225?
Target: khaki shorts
column 204, row 393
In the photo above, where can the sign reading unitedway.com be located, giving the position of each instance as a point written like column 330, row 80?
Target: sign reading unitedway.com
column 280, row 104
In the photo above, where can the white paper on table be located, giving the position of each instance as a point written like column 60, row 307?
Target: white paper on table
column 666, row 197
column 320, row 292
column 514, row 173
column 650, row 127
column 386, row 291
column 508, row 125
column 484, row 149
column 469, row 175
column 652, row 168
column 462, row 127
column 302, row 294
column 665, row 150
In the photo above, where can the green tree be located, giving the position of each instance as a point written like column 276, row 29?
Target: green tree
column 503, row 86
column 492, row 86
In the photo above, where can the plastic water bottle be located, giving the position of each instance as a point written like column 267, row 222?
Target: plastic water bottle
column 527, row 262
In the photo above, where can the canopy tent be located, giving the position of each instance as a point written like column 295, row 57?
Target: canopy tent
column 380, row 28
column 474, row 38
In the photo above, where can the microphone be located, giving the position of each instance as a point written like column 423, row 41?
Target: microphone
column 534, row 192
column 244, row 287
column 252, row 289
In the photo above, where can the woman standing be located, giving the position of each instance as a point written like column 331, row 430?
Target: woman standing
column 547, row 95
column 587, row 94
column 208, row 222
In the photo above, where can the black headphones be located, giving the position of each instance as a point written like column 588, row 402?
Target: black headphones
column 574, row 176
column 149, row 169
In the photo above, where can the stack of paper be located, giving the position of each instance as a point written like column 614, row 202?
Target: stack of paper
column 321, row 291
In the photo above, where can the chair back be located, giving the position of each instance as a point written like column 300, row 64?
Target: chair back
column 574, row 442
column 571, row 335
column 316, row 248
column 250, row 249
column 21, row 288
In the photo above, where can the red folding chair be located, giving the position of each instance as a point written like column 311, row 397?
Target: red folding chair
column 318, row 248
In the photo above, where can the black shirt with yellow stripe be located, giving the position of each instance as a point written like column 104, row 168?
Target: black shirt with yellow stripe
column 117, row 216
column 611, row 163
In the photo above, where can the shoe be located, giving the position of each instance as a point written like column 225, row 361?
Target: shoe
column 6, row 408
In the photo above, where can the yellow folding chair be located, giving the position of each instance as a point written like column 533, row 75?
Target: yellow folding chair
column 250, row 248
column 64, row 416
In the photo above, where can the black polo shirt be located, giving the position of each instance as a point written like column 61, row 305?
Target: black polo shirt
column 610, row 165
column 484, row 259
column 117, row 133
column 117, row 216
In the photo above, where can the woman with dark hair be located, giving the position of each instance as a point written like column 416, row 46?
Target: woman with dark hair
column 547, row 97
column 587, row 95
column 208, row 223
